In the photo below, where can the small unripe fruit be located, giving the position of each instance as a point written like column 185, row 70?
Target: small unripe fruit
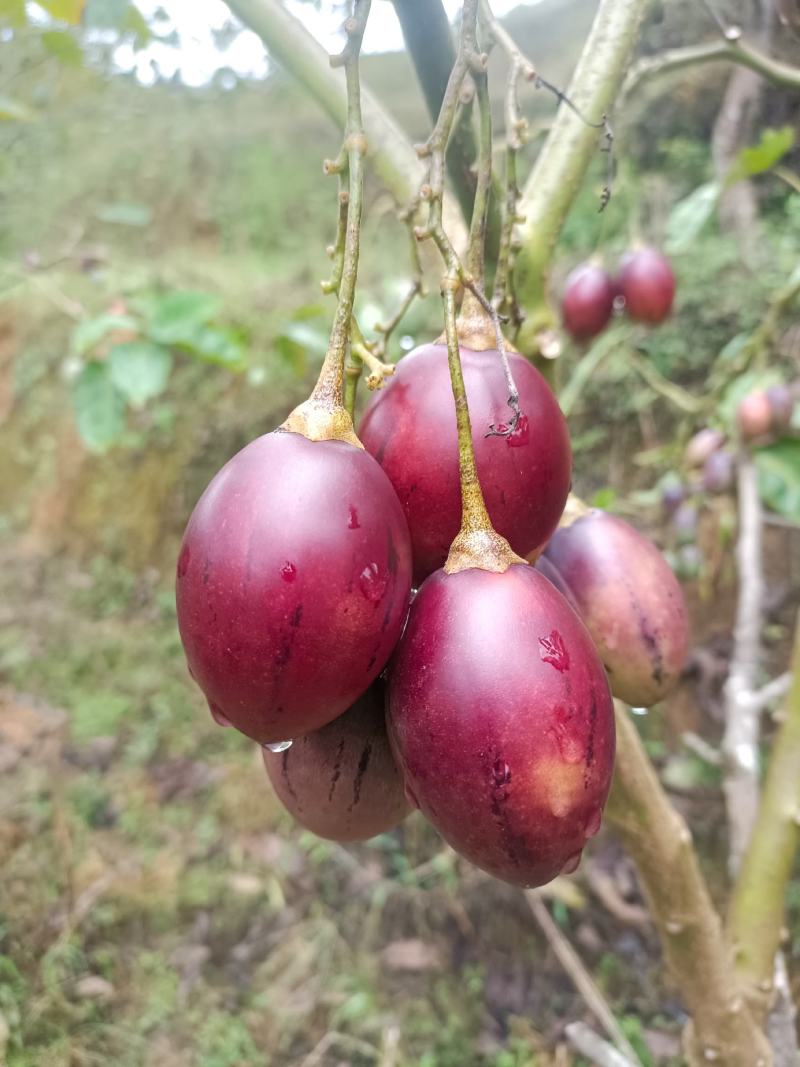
column 647, row 283
column 718, row 472
column 684, row 523
column 672, row 496
column 754, row 415
column 702, row 445
column 341, row 782
column 588, row 301
column 629, row 600
column 781, row 403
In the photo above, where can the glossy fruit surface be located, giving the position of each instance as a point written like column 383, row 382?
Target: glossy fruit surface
column 630, row 600
column 647, row 283
column 588, row 301
column 500, row 716
column 410, row 428
column 341, row 782
column 754, row 415
column 293, row 584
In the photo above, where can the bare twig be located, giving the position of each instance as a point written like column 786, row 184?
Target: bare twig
column 582, row 980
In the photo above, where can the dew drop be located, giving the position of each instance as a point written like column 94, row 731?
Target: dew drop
column 218, row 715
column 572, row 864
column 277, row 746
column 521, row 434
column 372, row 583
column 639, row 711
column 593, row 822
column 288, row 572
column 352, row 522
column 183, row 561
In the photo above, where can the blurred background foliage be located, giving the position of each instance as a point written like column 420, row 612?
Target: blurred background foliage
column 160, row 253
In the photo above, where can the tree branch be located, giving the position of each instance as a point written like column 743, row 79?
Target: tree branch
column 722, row 1030
column 291, row 45
column 758, row 904
column 739, row 51
column 742, row 718
column 563, row 161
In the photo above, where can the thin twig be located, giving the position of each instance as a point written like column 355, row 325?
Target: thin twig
column 581, row 979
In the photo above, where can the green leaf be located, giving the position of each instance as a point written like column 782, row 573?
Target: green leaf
column 140, row 370
column 756, row 159
column 99, row 408
column 212, row 344
column 90, row 332
column 64, row 10
column 299, row 340
column 12, row 110
column 690, row 216
column 175, row 318
column 779, row 477
column 125, row 214
column 13, row 13
column 63, row 46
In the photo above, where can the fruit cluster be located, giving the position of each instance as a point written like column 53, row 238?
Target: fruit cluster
column 319, row 600
column 644, row 288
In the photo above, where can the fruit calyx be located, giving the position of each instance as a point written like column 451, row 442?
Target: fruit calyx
column 574, row 509
column 474, row 327
column 323, row 417
column 477, row 543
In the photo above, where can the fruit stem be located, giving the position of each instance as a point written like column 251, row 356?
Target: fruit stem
column 323, row 416
column 476, row 249
column 477, row 543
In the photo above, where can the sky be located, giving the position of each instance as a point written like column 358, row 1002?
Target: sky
column 198, row 57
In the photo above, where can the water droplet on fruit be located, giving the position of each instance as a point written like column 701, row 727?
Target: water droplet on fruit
column 501, row 772
column 277, row 746
column 411, row 796
column 521, row 434
column 218, row 715
column 183, row 561
column 553, row 651
column 593, row 822
column 288, row 572
column 572, row 863
column 639, row 711
column 352, row 522
column 372, row 583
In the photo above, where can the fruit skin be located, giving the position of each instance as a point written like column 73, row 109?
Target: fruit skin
column 293, row 584
column 341, row 782
column 754, row 415
column 781, row 404
column 588, row 301
column 704, row 444
column 630, row 600
column 410, row 428
column 501, row 720
column 719, row 472
column 647, row 283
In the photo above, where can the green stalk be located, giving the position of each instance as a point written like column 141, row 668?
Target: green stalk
column 565, row 157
